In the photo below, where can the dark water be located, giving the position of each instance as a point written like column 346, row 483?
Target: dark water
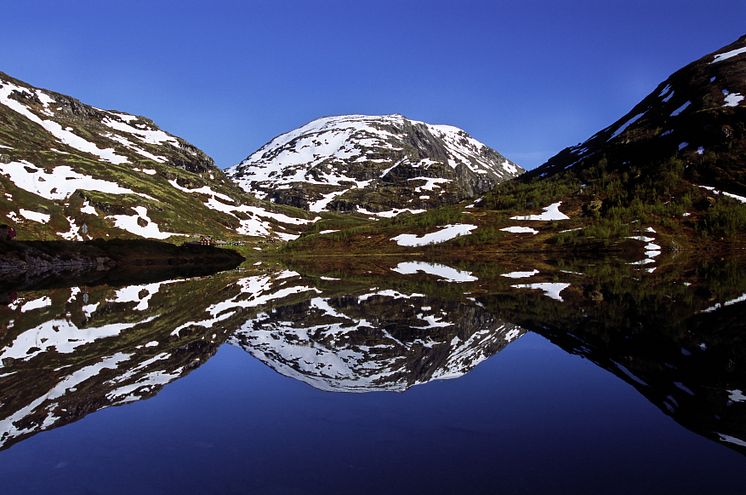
column 326, row 378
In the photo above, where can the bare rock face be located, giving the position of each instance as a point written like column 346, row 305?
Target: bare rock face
column 372, row 164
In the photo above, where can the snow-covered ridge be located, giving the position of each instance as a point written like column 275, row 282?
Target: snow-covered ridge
column 63, row 134
column 64, row 151
column 707, row 93
column 332, row 137
column 125, row 132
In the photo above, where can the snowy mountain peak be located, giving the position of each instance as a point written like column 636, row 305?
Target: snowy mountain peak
column 372, row 164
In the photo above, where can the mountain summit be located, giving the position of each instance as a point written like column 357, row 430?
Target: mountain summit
column 372, row 164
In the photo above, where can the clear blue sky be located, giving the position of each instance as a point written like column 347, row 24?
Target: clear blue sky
column 526, row 77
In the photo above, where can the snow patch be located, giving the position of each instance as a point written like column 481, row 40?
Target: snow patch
column 736, row 395
column 58, row 184
column 60, row 335
column 34, row 216
column 87, row 208
column 390, row 213
column 146, row 135
column 733, row 99
column 551, row 213
column 444, row 234
column 551, row 289
column 725, row 56
column 520, row 274
column 431, row 183
column 730, row 302
column 740, row 199
column 445, row 272
column 520, row 230
column 732, row 439
column 73, row 234
column 625, row 125
column 42, row 302
column 131, row 224
column 681, row 109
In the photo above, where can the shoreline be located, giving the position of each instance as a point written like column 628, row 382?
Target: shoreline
column 32, row 263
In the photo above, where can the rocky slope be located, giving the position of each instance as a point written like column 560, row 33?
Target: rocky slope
column 64, row 164
column 692, row 123
column 372, row 164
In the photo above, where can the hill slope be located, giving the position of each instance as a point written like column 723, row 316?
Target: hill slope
column 64, row 164
column 372, row 164
column 667, row 176
column 697, row 116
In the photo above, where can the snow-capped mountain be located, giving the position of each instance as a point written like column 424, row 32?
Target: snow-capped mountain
column 372, row 164
column 64, row 164
column 376, row 341
column 692, row 124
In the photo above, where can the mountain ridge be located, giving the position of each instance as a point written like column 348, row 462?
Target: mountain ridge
column 676, row 111
column 65, row 164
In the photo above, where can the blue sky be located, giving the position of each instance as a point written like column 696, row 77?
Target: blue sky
column 526, row 77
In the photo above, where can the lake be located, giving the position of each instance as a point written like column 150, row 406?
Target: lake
column 362, row 375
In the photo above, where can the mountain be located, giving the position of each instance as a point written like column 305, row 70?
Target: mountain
column 692, row 126
column 668, row 176
column 376, row 165
column 64, row 164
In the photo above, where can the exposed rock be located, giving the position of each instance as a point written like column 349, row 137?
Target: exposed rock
column 373, row 163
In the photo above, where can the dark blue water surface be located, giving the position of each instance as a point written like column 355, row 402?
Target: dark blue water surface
column 276, row 383
column 533, row 419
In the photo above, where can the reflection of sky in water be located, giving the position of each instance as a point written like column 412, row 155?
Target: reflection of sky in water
column 532, row 417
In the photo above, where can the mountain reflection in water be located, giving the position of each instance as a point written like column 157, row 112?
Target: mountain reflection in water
column 676, row 335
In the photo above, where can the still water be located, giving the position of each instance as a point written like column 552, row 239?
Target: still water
column 383, row 377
